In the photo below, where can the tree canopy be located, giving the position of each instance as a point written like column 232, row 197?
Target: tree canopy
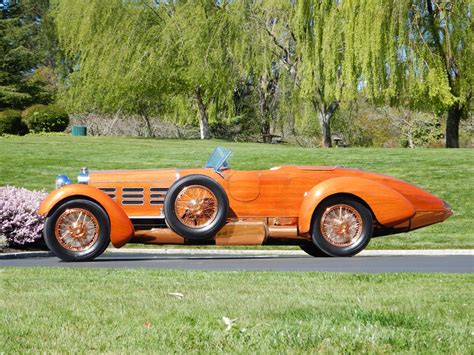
column 271, row 63
column 23, row 74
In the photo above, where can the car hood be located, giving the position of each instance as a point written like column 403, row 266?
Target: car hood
column 140, row 175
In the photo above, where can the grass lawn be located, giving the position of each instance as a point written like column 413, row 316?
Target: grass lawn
column 34, row 162
column 84, row 310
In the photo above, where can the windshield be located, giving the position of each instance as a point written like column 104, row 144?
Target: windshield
column 219, row 159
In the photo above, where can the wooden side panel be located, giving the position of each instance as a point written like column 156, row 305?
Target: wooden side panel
column 244, row 185
column 157, row 236
column 137, row 192
column 121, row 228
column 388, row 206
column 242, row 233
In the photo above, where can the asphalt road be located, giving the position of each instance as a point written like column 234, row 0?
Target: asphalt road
column 370, row 264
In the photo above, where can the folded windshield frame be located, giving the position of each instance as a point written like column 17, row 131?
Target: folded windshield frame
column 219, row 159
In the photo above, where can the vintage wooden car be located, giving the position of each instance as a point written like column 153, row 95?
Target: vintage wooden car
column 326, row 210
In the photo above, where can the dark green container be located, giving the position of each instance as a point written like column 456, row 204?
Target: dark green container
column 79, row 131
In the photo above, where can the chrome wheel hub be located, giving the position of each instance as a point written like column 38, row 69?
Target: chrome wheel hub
column 341, row 225
column 77, row 229
column 196, row 206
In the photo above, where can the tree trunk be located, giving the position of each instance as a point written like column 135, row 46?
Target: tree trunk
column 203, row 119
column 325, row 113
column 452, row 126
column 325, row 123
column 149, row 129
column 263, row 107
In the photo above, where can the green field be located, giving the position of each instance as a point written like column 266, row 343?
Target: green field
column 84, row 310
column 34, row 162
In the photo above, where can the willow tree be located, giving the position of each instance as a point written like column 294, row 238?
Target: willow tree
column 113, row 60
column 195, row 44
column 320, row 42
column 444, row 40
column 265, row 53
column 409, row 53
column 412, row 53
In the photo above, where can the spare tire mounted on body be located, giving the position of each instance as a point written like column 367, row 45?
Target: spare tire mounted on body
column 196, row 207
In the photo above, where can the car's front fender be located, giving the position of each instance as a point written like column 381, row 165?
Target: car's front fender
column 389, row 206
column 121, row 228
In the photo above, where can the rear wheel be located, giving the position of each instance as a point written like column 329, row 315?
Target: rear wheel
column 78, row 230
column 196, row 207
column 342, row 227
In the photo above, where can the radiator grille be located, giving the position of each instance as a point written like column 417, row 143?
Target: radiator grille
column 136, row 195
column 132, row 196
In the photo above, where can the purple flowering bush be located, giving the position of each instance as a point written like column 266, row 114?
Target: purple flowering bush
column 19, row 221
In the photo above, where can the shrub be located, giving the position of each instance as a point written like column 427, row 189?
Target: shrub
column 42, row 118
column 19, row 221
column 11, row 123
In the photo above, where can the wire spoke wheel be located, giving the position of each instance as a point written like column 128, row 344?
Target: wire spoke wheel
column 341, row 225
column 196, row 206
column 77, row 229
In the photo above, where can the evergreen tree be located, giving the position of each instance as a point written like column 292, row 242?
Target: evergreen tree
column 23, row 79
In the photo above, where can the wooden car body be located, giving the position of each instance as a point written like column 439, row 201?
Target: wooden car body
column 275, row 206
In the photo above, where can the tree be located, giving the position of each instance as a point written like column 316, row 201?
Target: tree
column 114, row 61
column 196, row 43
column 446, row 29
column 320, row 42
column 413, row 53
column 22, row 73
column 266, row 54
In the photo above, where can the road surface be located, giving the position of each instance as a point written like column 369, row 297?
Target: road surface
column 256, row 262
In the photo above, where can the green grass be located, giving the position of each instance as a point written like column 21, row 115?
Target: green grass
column 34, row 161
column 86, row 310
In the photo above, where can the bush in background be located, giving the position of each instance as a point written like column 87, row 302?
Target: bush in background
column 11, row 123
column 19, row 221
column 42, row 118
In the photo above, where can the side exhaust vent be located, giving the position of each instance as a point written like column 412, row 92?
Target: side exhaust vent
column 132, row 196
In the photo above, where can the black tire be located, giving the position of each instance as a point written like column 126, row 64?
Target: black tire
column 351, row 247
column 313, row 250
column 215, row 224
column 96, row 247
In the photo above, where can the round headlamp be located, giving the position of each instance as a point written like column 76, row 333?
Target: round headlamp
column 62, row 180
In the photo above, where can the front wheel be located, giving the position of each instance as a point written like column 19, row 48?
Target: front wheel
column 342, row 227
column 78, row 230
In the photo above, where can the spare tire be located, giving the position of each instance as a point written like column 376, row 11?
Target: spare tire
column 196, row 207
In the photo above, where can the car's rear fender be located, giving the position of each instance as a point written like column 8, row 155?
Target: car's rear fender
column 388, row 206
column 121, row 228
